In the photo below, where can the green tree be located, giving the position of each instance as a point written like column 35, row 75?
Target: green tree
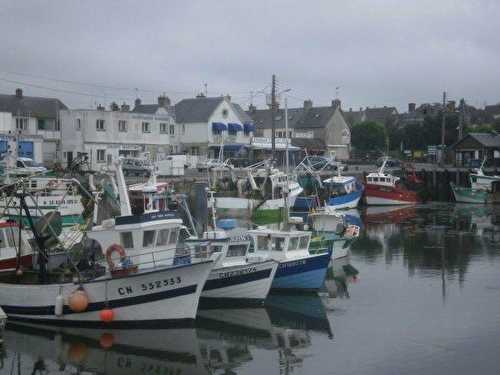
column 368, row 136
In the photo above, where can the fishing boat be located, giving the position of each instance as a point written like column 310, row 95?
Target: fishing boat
column 343, row 191
column 327, row 219
column 338, row 241
column 386, row 189
column 481, row 181
column 298, row 269
column 45, row 195
column 259, row 192
column 131, row 289
column 468, row 194
column 237, row 276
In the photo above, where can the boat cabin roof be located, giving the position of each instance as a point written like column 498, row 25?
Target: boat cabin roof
column 339, row 180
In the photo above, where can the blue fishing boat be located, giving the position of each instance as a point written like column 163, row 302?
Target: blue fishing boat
column 297, row 269
column 343, row 191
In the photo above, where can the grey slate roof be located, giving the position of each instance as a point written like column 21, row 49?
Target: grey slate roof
column 315, row 117
column 353, row 117
column 30, row 105
column 149, row 109
column 487, row 139
column 196, row 109
column 380, row 113
column 241, row 113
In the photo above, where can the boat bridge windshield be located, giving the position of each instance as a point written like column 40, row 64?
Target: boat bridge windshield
column 281, row 243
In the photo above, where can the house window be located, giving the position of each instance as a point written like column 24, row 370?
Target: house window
column 99, row 125
column 163, row 127
column 78, row 124
column 146, row 127
column 122, row 126
column 172, row 129
column 101, row 156
column 21, row 123
column 41, row 124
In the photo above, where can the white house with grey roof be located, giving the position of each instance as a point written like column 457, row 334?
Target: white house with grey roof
column 35, row 123
column 100, row 136
column 317, row 129
column 206, row 123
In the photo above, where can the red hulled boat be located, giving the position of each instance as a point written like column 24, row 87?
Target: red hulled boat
column 384, row 189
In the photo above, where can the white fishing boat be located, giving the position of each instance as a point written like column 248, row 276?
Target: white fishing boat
column 260, row 192
column 327, row 219
column 237, row 276
column 47, row 194
column 481, row 181
column 133, row 289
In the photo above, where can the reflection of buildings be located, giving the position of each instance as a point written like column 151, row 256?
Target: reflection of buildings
column 435, row 239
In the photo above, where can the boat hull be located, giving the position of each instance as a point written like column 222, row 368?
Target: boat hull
column 156, row 295
column 250, row 282
column 350, row 200
column 469, row 195
column 386, row 196
column 306, row 274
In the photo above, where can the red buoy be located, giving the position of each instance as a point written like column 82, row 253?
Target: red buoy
column 78, row 300
column 107, row 315
column 106, row 340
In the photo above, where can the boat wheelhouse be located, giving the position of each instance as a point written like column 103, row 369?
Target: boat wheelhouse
column 481, row 181
column 297, row 269
column 11, row 254
column 343, row 191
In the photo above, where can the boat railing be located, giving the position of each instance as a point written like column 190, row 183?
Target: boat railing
column 181, row 255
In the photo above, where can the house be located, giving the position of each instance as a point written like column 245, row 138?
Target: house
column 492, row 111
column 315, row 129
column 354, row 117
column 100, row 136
column 476, row 146
column 35, row 121
column 205, row 124
column 382, row 115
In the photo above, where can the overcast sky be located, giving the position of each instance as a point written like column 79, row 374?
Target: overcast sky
column 378, row 52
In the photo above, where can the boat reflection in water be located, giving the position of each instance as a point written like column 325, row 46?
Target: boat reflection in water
column 338, row 278
column 223, row 340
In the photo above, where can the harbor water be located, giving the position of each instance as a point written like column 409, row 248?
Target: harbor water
column 419, row 293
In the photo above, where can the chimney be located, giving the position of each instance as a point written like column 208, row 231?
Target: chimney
column 411, row 107
column 308, row 104
column 228, row 97
column 200, row 95
column 19, row 93
column 137, row 102
column 125, row 107
column 163, row 101
column 100, row 107
column 350, row 109
column 336, row 103
column 114, row 107
column 252, row 108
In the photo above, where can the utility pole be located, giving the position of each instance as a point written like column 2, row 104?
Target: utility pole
column 461, row 118
column 443, row 127
column 273, row 115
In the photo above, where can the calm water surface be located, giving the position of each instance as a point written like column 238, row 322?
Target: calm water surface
column 426, row 300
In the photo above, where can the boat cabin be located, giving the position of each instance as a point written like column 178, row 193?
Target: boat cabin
column 233, row 249
column 280, row 245
column 341, row 185
column 149, row 240
column 141, row 194
column 382, row 179
column 9, row 245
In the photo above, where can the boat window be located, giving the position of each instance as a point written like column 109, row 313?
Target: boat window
column 201, row 251
column 294, row 242
column 263, row 243
column 11, row 239
column 127, row 240
column 278, row 243
column 173, row 236
column 149, row 238
column 303, row 242
column 237, row 250
column 375, row 179
column 162, row 238
column 2, row 239
column 215, row 249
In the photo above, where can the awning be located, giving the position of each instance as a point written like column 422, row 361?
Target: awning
column 231, row 147
column 219, row 126
column 233, row 127
column 249, row 127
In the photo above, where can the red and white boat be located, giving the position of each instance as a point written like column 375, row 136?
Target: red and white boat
column 384, row 189
column 9, row 246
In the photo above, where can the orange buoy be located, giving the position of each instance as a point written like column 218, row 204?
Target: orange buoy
column 78, row 352
column 78, row 300
column 106, row 340
column 107, row 315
